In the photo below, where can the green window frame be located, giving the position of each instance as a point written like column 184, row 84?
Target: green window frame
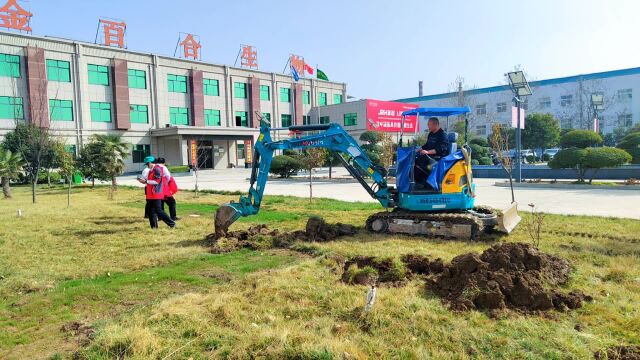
column 211, row 87
column 10, row 65
column 11, row 108
column 177, row 83
column 350, row 119
column 306, row 120
column 240, row 90
column 98, row 74
column 139, row 114
column 100, row 111
column 325, row 119
column 267, row 116
column 306, row 97
column 137, row 79
column 286, row 120
column 322, row 99
column 285, row 95
column 337, row 98
column 58, row 70
column 61, row 110
column 264, row 92
column 139, row 152
column 178, row 116
column 242, row 118
column 212, row 117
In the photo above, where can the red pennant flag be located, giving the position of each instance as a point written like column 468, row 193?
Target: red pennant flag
column 308, row 69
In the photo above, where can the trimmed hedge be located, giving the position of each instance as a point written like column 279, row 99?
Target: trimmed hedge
column 178, row 168
column 631, row 144
column 580, row 139
column 285, row 166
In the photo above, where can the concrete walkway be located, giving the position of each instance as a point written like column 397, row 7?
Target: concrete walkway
column 599, row 202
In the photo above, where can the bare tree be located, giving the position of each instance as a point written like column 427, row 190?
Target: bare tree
column 314, row 157
column 500, row 146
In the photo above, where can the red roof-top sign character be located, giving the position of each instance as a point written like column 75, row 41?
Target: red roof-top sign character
column 13, row 16
column 190, row 47
column 113, row 32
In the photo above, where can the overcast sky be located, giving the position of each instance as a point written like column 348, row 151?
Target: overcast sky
column 379, row 48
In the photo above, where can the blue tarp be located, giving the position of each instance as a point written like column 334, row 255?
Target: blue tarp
column 441, row 168
column 404, row 167
column 437, row 111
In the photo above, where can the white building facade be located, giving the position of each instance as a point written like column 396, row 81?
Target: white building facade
column 568, row 99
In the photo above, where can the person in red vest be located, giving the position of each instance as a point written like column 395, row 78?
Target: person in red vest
column 156, row 182
column 170, row 190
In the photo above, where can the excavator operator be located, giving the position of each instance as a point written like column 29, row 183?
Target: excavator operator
column 436, row 147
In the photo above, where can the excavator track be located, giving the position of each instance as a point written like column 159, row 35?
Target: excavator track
column 457, row 225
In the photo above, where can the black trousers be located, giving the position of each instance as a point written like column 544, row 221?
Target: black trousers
column 421, row 170
column 171, row 202
column 156, row 212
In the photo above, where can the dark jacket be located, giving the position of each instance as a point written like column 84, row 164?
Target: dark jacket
column 437, row 141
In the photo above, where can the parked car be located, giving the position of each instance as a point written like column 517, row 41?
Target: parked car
column 551, row 152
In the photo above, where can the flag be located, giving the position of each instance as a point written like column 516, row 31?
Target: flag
column 321, row 75
column 596, row 125
column 294, row 72
column 308, row 69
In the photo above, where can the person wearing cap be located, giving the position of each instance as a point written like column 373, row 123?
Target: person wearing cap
column 168, row 199
column 156, row 181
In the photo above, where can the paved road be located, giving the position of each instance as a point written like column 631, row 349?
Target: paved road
column 599, row 202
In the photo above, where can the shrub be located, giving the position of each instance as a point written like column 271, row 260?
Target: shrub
column 178, row 169
column 571, row 158
column 546, row 157
column 598, row 158
column 479, row 141
column 284, row 166
column 485, row 160
column 475, row 162
column 580, row 139
column 531, row 159
column 631, row 144
column 54, row 176
column 478, row 151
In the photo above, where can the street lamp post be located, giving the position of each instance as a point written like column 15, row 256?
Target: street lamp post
column 520, row 88
column 597, row 104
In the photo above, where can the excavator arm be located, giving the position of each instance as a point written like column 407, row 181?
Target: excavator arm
column 332, row 137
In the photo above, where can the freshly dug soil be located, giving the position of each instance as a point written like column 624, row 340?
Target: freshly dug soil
column 260, row 236
column 370, row 270
column 82, row 331
column 510, row 275
column 421, row 265
column 621, row 352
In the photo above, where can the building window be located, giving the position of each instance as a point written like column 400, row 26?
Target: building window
column 337, row 98
column 98, row 74
column 212, row 117
column 139, row 114
column 9, row 65
column 285, row 95
column 350, row 119
column 481, row 109
column 100, row 112
column 61, row 110
column 177, row 83
column 501, row 107
column 58, row 70
column 240, row 151
column 545, row 102
column 140, row 152
column 322, row 99
column 286, row 120
column 71, row 149
column 178, row 116
column 306, row 120
column 266, row 117
column 264, row 93
column 11, row 108
column 481, row 130
column 137, row 79
column 625, row 120
column 566, row 100
column 306, row 97
column 240, row 90
column 325, row 119
column 625, row 95
column 211, row 87
column 242, row 118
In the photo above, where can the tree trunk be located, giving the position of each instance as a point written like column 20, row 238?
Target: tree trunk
column 93, row 182
column 68, row 191
column 49, row 178
column 114, row 187
column 6, row 189
column 593, row 174
column 34, row 183
column 330, row 166
column 310, row 186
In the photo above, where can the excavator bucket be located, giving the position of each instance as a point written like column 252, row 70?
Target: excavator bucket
column 225, row 216
column 508, row 218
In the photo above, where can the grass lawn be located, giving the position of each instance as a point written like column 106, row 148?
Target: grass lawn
column 161, row 294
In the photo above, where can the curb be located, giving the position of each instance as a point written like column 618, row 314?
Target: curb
column 568, row 186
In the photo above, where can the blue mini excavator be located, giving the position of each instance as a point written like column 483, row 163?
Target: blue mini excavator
column 442, row 207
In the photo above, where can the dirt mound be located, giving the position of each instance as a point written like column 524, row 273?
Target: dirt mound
column 510, row 275
column 82, row 332
column 620, row 352
column 370, row 270
column 260, row 236
column 422, row 265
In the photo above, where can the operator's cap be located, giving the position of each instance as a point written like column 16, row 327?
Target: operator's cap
column 149, row 159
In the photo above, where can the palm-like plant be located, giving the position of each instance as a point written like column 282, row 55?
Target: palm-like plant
column 10, row 168
column 113, row 151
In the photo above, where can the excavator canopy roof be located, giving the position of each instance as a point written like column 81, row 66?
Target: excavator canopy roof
column 437, row 111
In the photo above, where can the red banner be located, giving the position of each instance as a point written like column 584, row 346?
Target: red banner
column 387, row 116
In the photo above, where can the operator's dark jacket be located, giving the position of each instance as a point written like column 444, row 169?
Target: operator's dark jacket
column 437, row 141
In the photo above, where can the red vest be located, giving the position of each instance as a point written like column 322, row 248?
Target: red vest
column 171, row 187
column 156, row 191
